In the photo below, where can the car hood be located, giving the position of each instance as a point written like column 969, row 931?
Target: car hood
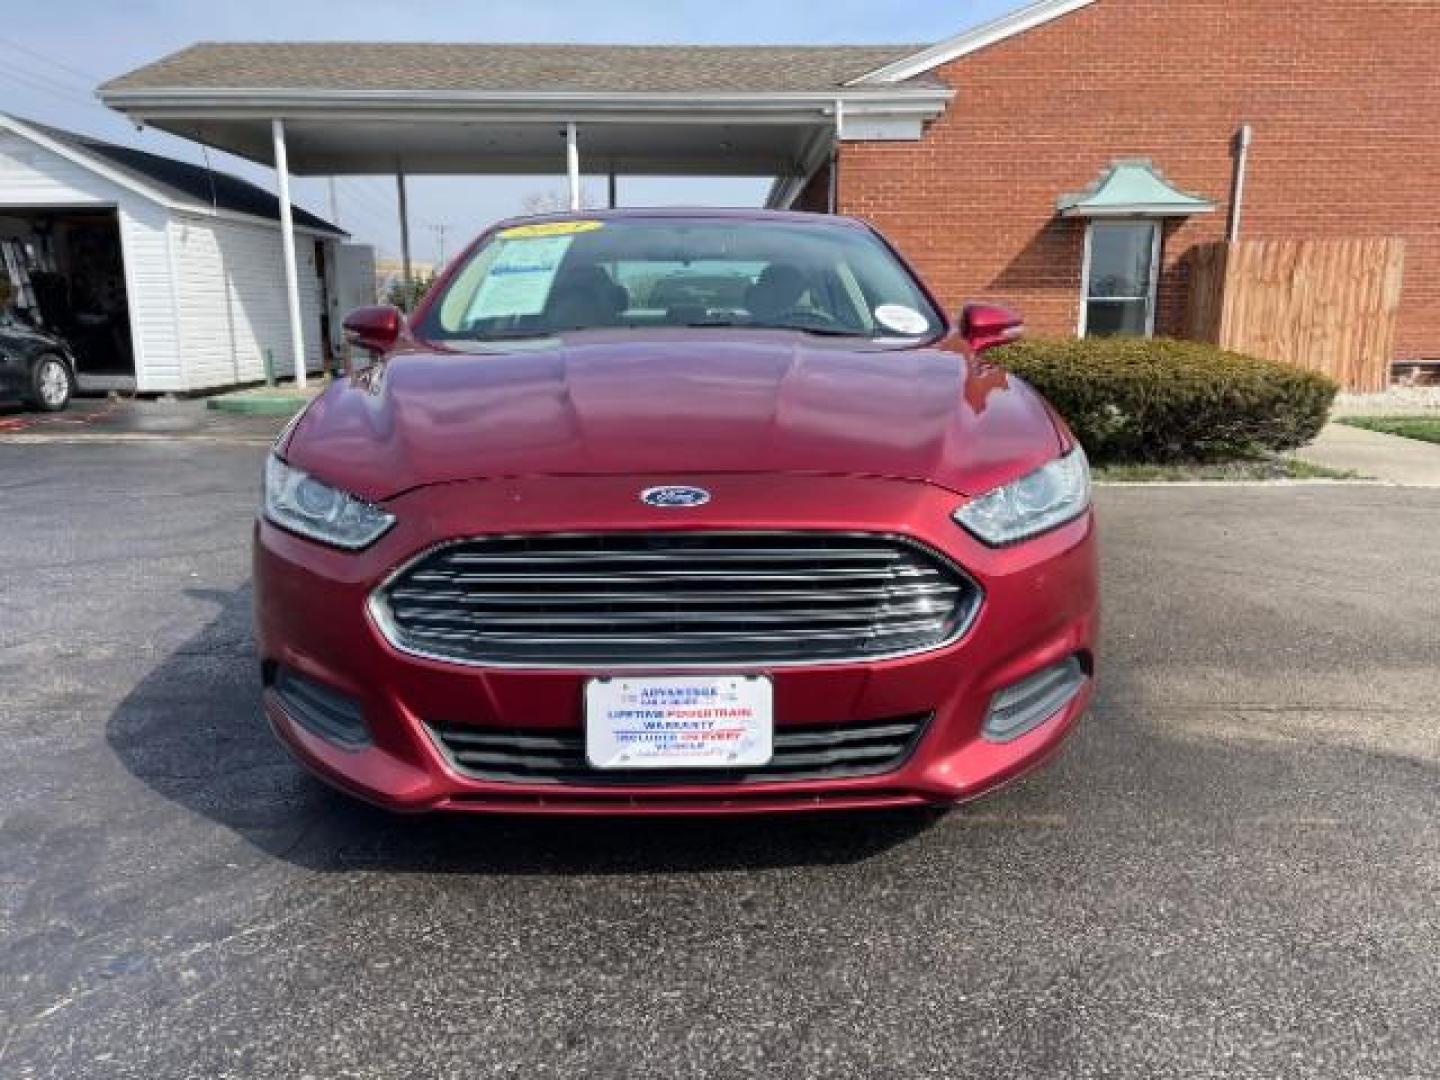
column 679, row 405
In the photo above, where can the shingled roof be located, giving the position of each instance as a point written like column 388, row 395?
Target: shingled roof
column 500, row 68
column 181, row 180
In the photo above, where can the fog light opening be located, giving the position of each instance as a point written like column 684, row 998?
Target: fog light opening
column 1021, row 708
column 321, row 710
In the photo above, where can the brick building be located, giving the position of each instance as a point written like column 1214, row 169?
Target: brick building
column 1343, row 97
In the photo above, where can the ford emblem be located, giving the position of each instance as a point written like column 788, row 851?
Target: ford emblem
column 674, row 497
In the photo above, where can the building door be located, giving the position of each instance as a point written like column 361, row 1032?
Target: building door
column 1122, row 271
column 327, row 293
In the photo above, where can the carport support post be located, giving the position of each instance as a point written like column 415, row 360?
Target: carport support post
column 404, row 237
column 287, row 239
column 572, row 164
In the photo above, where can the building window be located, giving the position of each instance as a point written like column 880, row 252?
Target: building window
column 1122, row 261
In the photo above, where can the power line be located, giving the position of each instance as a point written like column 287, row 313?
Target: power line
column 378, row 190
column 381, row 213
column 361, row 185
column 46, row 77
column 46, row 81
column 374, row 197
column 90, row 78
column 381, row 219
column 54, row 89
column 370, row 203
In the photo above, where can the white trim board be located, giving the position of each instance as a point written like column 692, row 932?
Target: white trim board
column 981, row 37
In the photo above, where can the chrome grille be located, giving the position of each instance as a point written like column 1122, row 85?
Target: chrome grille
column 658, row 599
column 538, row 756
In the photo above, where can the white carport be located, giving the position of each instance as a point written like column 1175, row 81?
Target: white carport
column 451, row 109
column 196, row 253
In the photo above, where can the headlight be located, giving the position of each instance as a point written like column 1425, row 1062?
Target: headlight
column 1048, row 497
column 296, row 501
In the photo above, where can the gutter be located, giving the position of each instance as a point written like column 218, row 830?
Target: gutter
column 190, row 102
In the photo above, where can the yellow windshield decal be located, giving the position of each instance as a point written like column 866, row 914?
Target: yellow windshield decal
column 550, row 228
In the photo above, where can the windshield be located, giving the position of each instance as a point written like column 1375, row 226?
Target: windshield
column 551, row 277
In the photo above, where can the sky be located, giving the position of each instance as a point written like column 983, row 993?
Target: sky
column 54, row 53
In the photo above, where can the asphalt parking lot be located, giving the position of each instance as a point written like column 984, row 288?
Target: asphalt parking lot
column 1233, row 871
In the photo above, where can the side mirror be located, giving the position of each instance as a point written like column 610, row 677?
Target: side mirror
column 984, row 326
column 374, row 328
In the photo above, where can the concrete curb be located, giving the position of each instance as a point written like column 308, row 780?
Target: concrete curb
column 259, row 404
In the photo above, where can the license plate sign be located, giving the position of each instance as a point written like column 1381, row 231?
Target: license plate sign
column 674, row 722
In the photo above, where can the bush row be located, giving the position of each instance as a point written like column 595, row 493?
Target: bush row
column 1154, row 400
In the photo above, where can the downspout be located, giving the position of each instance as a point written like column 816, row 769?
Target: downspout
column 1243, row 139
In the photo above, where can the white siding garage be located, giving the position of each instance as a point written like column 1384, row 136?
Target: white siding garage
column 231, row 300
column 203, row 291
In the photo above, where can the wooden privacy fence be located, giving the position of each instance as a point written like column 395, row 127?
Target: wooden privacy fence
column 1327, row 305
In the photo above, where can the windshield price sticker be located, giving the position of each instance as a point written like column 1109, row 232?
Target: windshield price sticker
column 681, row 723
column 520, row 279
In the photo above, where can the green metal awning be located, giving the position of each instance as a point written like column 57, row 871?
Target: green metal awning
column 1132, row 189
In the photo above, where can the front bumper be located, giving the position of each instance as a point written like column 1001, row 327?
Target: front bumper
column 1040, row 607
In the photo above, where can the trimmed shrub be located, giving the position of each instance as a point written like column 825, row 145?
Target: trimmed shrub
column 1154, row 400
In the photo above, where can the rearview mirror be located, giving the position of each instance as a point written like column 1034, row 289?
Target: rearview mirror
column 984, row 326
column 374, row 328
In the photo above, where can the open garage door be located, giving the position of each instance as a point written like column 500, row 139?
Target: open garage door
column 66, row 272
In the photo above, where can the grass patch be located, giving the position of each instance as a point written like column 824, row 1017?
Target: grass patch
column 1424, row 428
column 286, row 399
column 1279, row 468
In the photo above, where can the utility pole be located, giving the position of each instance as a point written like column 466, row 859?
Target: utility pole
column 440, row 231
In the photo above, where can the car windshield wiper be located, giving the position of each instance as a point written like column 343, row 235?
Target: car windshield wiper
column 513, row 335
column 700, row 324
column 818, row 331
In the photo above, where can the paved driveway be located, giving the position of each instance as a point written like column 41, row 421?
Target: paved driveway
column 1234, row 870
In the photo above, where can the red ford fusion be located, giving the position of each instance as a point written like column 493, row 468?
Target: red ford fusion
column 664, row 512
